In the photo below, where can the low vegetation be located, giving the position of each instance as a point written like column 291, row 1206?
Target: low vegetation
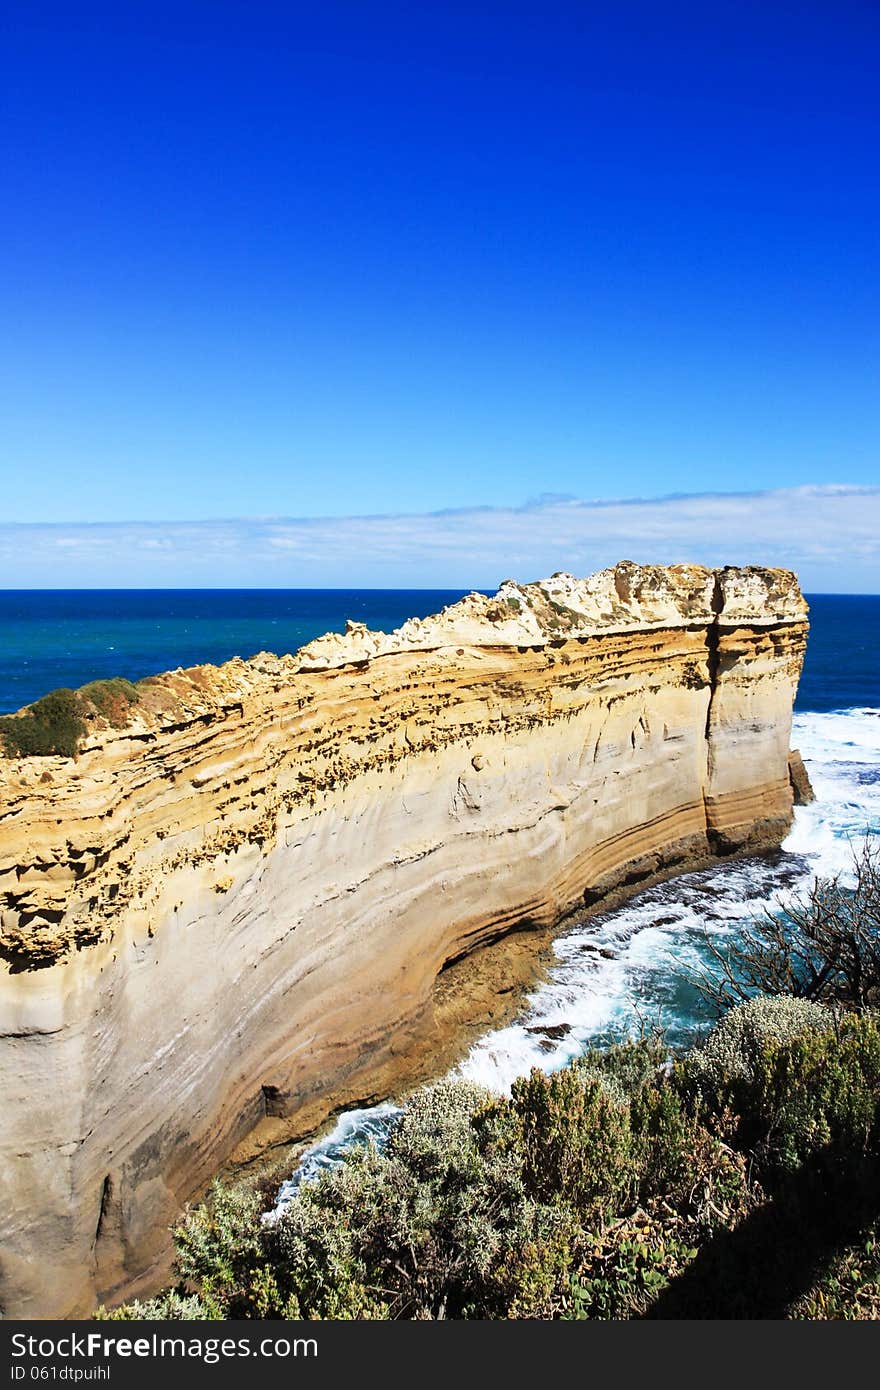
column 56, row 724
column 53, row 725
column 112, row 699
column 739, row 1181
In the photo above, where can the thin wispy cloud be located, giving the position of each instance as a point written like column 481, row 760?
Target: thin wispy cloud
column 829, row 535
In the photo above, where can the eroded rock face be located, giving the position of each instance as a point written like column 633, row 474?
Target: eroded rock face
column 242, row 899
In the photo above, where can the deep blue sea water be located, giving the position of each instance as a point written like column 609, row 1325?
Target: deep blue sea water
column 68, row 637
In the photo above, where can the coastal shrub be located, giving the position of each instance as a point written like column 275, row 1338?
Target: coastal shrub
column 727, row 1060
column 628, row 1267
column 688, row 1186
column 571, row 1140
column 171, row 1304
column 817, row 1098
column 624, row 1069
column 479, row 1207
column 416, row 1231
column 612, row 1188
column 663, row 1135
column 52, row 726
column 434, row 1134
column 684, row 1168
column 112, row 699
column 338, row 1237
column 531, row 1269
column 219, row 1247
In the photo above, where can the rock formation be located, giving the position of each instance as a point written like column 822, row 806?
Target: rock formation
column 242, row 898
column 801, row 787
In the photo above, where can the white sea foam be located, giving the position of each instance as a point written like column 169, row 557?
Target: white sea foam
column 630, row 966
column 625, row 967
column 351, row 1126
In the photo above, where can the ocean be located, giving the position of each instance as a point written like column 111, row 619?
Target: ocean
column 67, row 637
column 648, row 946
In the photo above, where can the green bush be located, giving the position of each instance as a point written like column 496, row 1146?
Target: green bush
column 341, row 1234
column 604, row 1190
column 112, row 699
column 371, row 1238
column 219, row 1247
column 727, row 1060
column 53, row 725
column 625, row 1068
column 170, row 1304
column 430, row 1228
column 682, row 1166
column 531, row 1274
column 571, row 1139
column 664, row 1141
column 627, row 1270
column 817, row 1098
column 434, row 1134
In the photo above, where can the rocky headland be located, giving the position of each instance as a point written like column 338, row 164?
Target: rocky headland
column 236, row 901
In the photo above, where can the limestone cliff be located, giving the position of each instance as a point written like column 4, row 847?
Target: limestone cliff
column 243, row 897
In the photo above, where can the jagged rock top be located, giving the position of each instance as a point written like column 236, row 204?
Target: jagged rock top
column 627, row 598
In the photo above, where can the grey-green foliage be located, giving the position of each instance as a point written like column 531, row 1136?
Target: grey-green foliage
column 411, row 1232
column 167, row 1305
column 816, row 1099
column 624, row 1069
column 586, row 1193
column 218, row 1245
column 323, row 1246
column 732, row 1050
column 434, row 1132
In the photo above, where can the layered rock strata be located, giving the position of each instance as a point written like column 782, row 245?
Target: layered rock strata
column 242, row 898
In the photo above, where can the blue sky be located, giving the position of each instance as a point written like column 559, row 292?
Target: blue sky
column 331, row 261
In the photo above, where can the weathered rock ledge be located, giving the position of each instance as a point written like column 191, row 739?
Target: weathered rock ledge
column 239, row 902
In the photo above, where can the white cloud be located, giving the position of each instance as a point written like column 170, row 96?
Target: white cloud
column 829, row 535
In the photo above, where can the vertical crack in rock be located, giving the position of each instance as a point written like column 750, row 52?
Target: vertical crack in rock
column 713, row 642
column 103, row 1208
column 713, row 662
